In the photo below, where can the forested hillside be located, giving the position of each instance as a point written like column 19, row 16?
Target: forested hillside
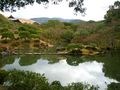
column 55, row 34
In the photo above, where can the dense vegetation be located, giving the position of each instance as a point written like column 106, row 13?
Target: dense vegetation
column 34, row 81
column 56, row 36
column 101, row 34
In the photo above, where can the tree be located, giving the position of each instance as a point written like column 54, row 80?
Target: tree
column 11, row 5
column 113, row 18
column 113, row 14
column 26, row 81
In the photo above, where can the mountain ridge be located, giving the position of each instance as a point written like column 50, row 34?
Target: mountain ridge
column 46, row 19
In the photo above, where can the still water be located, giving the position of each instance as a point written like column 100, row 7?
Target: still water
column 100, row 70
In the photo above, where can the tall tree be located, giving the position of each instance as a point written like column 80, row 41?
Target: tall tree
column 12, row 5
column 113, row 14
column 113, row 18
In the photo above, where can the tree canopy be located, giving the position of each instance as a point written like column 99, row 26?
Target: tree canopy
column 113, row 14
column 13, row 5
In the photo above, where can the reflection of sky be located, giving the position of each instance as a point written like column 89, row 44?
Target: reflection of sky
column 87, row 72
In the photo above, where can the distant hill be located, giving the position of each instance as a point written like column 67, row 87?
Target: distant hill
column 45, row 19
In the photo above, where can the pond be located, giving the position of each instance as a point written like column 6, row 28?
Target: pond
column 99, row 70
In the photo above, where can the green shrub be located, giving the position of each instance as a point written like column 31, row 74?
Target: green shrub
column 85, row 32
column 114, row 86
column 80, row 86
column 35, row 36
column 4, row 41
column 22, row 28
column 117, row 27
column 24, row 35
column 56, row 85
column 67, row 35
column 4, row 30
column 3, row 75
column 24, row 80
column 8, row 34
column 73, row 46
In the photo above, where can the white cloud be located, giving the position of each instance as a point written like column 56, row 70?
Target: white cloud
column 96, row 10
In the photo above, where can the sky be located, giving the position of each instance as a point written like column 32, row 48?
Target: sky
column 95, row 10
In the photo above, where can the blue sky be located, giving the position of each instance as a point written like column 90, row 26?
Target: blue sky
column 96, row 9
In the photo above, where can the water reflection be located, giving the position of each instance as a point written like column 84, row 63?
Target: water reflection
column 87, row 72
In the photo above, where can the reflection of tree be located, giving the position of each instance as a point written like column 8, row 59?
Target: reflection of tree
column 34, row 81
column 74, row 60
column 112, row 65
column 6, row 60
column 28, row 59
column 52, row 58
column 80, row 86
column 114, row 86
column 111, row 62
column 56, row 85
